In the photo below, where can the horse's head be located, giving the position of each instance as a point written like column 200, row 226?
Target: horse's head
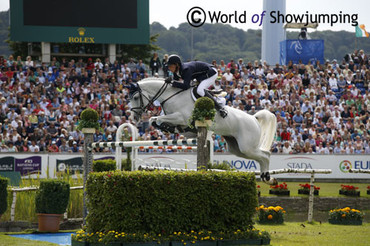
column 139, row 101
column 144, row 93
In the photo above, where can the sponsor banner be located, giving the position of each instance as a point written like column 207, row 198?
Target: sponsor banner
column 28, row 166
column 7, row 164
column 32, row 165
column 70, row 163
column 339, row 164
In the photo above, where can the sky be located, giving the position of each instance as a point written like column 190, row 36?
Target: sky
column 173, row 12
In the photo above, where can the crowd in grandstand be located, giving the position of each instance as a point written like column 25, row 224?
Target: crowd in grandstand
column 320, row 108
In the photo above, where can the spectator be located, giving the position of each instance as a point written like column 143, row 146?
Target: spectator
column 155, row 64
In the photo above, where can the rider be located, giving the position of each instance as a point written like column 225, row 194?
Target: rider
column 203, row 72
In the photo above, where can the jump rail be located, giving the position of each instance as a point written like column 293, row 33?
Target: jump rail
column 168, row 147
column 359, row 171
column 144, row 143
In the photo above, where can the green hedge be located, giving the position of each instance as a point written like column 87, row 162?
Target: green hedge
column 52, row 197
column 166, row 202
column 104, row 165
column 3, row 194
column 126, row 164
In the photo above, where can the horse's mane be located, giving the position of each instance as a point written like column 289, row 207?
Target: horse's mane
column 152, row 79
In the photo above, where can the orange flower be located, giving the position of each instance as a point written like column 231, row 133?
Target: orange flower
column 343, row 215
column 269, row 217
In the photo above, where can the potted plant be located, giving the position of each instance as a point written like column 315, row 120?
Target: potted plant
column 349, row 190
column 3, row 195
column 89, row 121
column 270, row 215
column 305, row 189
column 346, row 216
column 204, row 112
column 51, row 202
column 279, row 189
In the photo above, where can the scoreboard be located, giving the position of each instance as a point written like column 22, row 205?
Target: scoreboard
column 80, row 21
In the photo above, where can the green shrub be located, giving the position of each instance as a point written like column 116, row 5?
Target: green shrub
column 220, row 166
column 126, row 164
column 3, row 194
column 52, row 197
column 89, row 119
column 204, row 103
column 104, row 165
column 166, row 202
column 90, row 114
column 204, row 109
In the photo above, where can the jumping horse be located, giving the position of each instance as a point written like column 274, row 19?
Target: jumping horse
column 247, row 136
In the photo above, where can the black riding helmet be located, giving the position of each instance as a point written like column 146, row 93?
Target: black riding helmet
column 174, row 59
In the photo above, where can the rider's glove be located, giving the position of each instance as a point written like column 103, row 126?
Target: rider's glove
column 168, row 80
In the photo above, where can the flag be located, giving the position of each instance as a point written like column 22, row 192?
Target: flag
column 361, row 32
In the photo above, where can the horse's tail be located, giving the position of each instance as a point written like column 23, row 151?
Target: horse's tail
column 267, row 121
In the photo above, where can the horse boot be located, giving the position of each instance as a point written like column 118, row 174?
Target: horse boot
column 218, row 107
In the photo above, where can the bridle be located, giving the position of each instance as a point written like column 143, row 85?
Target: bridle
column 144, row 108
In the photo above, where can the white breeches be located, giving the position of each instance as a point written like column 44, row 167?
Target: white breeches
column 205, row 84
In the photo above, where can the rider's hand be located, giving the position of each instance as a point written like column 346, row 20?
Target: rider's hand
column 168, row 80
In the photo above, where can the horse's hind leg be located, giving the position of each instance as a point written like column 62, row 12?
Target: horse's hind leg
column 247, row 151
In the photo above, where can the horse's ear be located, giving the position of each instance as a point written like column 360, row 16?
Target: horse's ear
column 133, row 87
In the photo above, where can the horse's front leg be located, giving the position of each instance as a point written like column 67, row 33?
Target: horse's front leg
column 175, row 119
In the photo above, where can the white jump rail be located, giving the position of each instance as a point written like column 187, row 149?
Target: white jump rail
column 191, row 141
column 25, row 189
column 167, row 147
column 359, row 171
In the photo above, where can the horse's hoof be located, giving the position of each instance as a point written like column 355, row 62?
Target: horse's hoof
column 273, row 181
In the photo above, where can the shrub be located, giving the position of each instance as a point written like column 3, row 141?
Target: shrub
column 89, row 119
column 90, row 114
column 220, row 166
column 204, row 103
column 104, row 165
column 204, row 109
column 126, row 164
column 165, row 202
column 3, row 194
column 270, row 215
column 52, row 197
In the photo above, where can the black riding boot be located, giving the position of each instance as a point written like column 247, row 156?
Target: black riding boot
column 218, row 107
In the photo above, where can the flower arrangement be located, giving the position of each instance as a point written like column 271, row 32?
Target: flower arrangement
column 349, row 190
column 270, row 215
column 279, row 189
column 346, row 216
column 305, row 189
column 181, row 238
